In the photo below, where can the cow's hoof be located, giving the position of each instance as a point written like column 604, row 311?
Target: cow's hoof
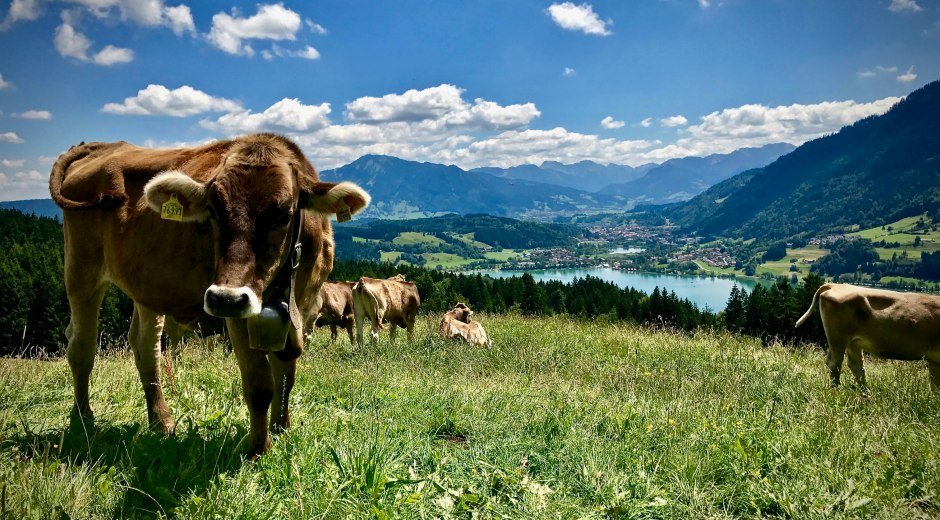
column 256, row 450
column 83, row 419
column 166, row 426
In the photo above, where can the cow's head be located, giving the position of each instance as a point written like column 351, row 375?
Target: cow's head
column 253, row 200
column 462, row 312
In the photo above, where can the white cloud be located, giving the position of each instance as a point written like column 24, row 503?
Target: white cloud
column 646, row 122
column 146, row 13
column 157, row 100
column 440, row 106
column 4, row 84
column 20, row 10
column 899, row 6
column 35, row 114
column 289, row 114
column 866, row 74
column 890, row 70
column 271, row 22
column 579, row 18
column 10, row 137
column 9, row 163
column 315, row 27
column 73, row 44
column 673, row 121
column 569, row 72
column 704, row 3
column 308, row 53
column 610, row 124
column 111, row 55
column 24, row 185
column 908, row 76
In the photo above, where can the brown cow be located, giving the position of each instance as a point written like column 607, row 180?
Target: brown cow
column 885, row 324
column 457, row 324
column 217, row 228
column 394, row 300
column 335, row 308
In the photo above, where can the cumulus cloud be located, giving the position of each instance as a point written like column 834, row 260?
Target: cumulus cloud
column 35, row 114
column 908, row 76
column 157, row 100
column 441, row 107
column 900, row 6
column 24, row 185
column 146, row 13
column 20, row 10
column 10, row 163
column 10, row 137
column 4, row 84
column 315, row 27
column 271, row 22
column 646, row 122
column 307, row 53
column 579, row 18
column 673, row 121
column 286, row 114
column 610, row 124
column 73, row 44
column 569, row 71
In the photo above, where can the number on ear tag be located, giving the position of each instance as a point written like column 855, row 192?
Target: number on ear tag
column 172, row 209
column 343, row 214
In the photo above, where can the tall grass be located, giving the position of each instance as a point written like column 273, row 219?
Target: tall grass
column 560, row 418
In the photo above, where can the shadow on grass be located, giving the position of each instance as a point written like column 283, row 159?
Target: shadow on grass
column 156, row 471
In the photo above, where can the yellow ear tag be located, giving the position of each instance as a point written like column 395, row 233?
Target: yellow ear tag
column 343, row 214
column 172, row 209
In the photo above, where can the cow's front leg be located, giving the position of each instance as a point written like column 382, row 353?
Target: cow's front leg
column 144, row 337
column 934, row 369
column 856, row 365
column 392, row 332
column 284, row 370
column 257, row 385
column 333, row 333
column 360, row 322
column 349, row 331
column 834, row 358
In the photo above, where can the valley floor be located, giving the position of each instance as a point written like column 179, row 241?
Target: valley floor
column 560, row 418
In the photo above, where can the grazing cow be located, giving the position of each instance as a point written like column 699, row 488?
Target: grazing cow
column 394, row 301
column 335, row 308
column 238, row 229
column 456, row 324
column 885, row 324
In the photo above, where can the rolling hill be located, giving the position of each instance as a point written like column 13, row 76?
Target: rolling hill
column 878, row 170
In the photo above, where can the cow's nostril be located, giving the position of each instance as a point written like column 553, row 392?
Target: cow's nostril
column 242, row 300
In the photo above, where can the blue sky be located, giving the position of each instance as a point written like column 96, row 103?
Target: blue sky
column 467, row 83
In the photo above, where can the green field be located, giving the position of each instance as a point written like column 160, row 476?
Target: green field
column 470, row 240
column 782, row 267
column 504, row 255
column 559, row 419
column 904, row 233
column 390, row 256
column 446, row 260
column 412, row 237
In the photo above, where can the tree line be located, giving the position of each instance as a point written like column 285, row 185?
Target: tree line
column 34, row 308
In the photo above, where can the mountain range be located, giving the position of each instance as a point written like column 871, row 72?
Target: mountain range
column 878, row 170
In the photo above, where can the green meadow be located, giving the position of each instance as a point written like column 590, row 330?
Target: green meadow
column 560, row 418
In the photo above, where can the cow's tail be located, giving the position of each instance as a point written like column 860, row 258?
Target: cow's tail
column 823, row 288
column 363, row 291
column 104, row 200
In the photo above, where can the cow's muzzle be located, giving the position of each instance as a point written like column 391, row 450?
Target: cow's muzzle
column 231, row 302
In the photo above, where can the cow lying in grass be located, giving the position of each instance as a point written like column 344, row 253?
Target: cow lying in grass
column 394, row 301
column 457, row 324
column 886, row 324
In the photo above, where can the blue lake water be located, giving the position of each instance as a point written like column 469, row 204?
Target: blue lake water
column 702, row 291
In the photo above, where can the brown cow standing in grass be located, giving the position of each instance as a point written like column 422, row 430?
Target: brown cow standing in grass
column 232, row 228
column 336, row 309
column 886, row 324
column 457, row 324
column 394, row 301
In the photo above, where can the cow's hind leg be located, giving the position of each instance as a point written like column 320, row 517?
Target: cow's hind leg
column 82, row 334
column 144, row 337
column 934, row 369
column 392, row 332
column 333, row 334
column 834, row 357
column 856, row 364
column 349, row 331
column 257, row 385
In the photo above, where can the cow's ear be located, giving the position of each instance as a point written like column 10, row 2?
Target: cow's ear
column 331, row 198
column 191, row 194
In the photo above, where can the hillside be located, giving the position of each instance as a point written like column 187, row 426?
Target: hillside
column 38, row 207
column 403, row 189
column 560, row 418
column 584, row 175
column 878, row 170
column 681, row 179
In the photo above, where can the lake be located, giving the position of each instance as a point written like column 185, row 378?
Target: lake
column 702, row 291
